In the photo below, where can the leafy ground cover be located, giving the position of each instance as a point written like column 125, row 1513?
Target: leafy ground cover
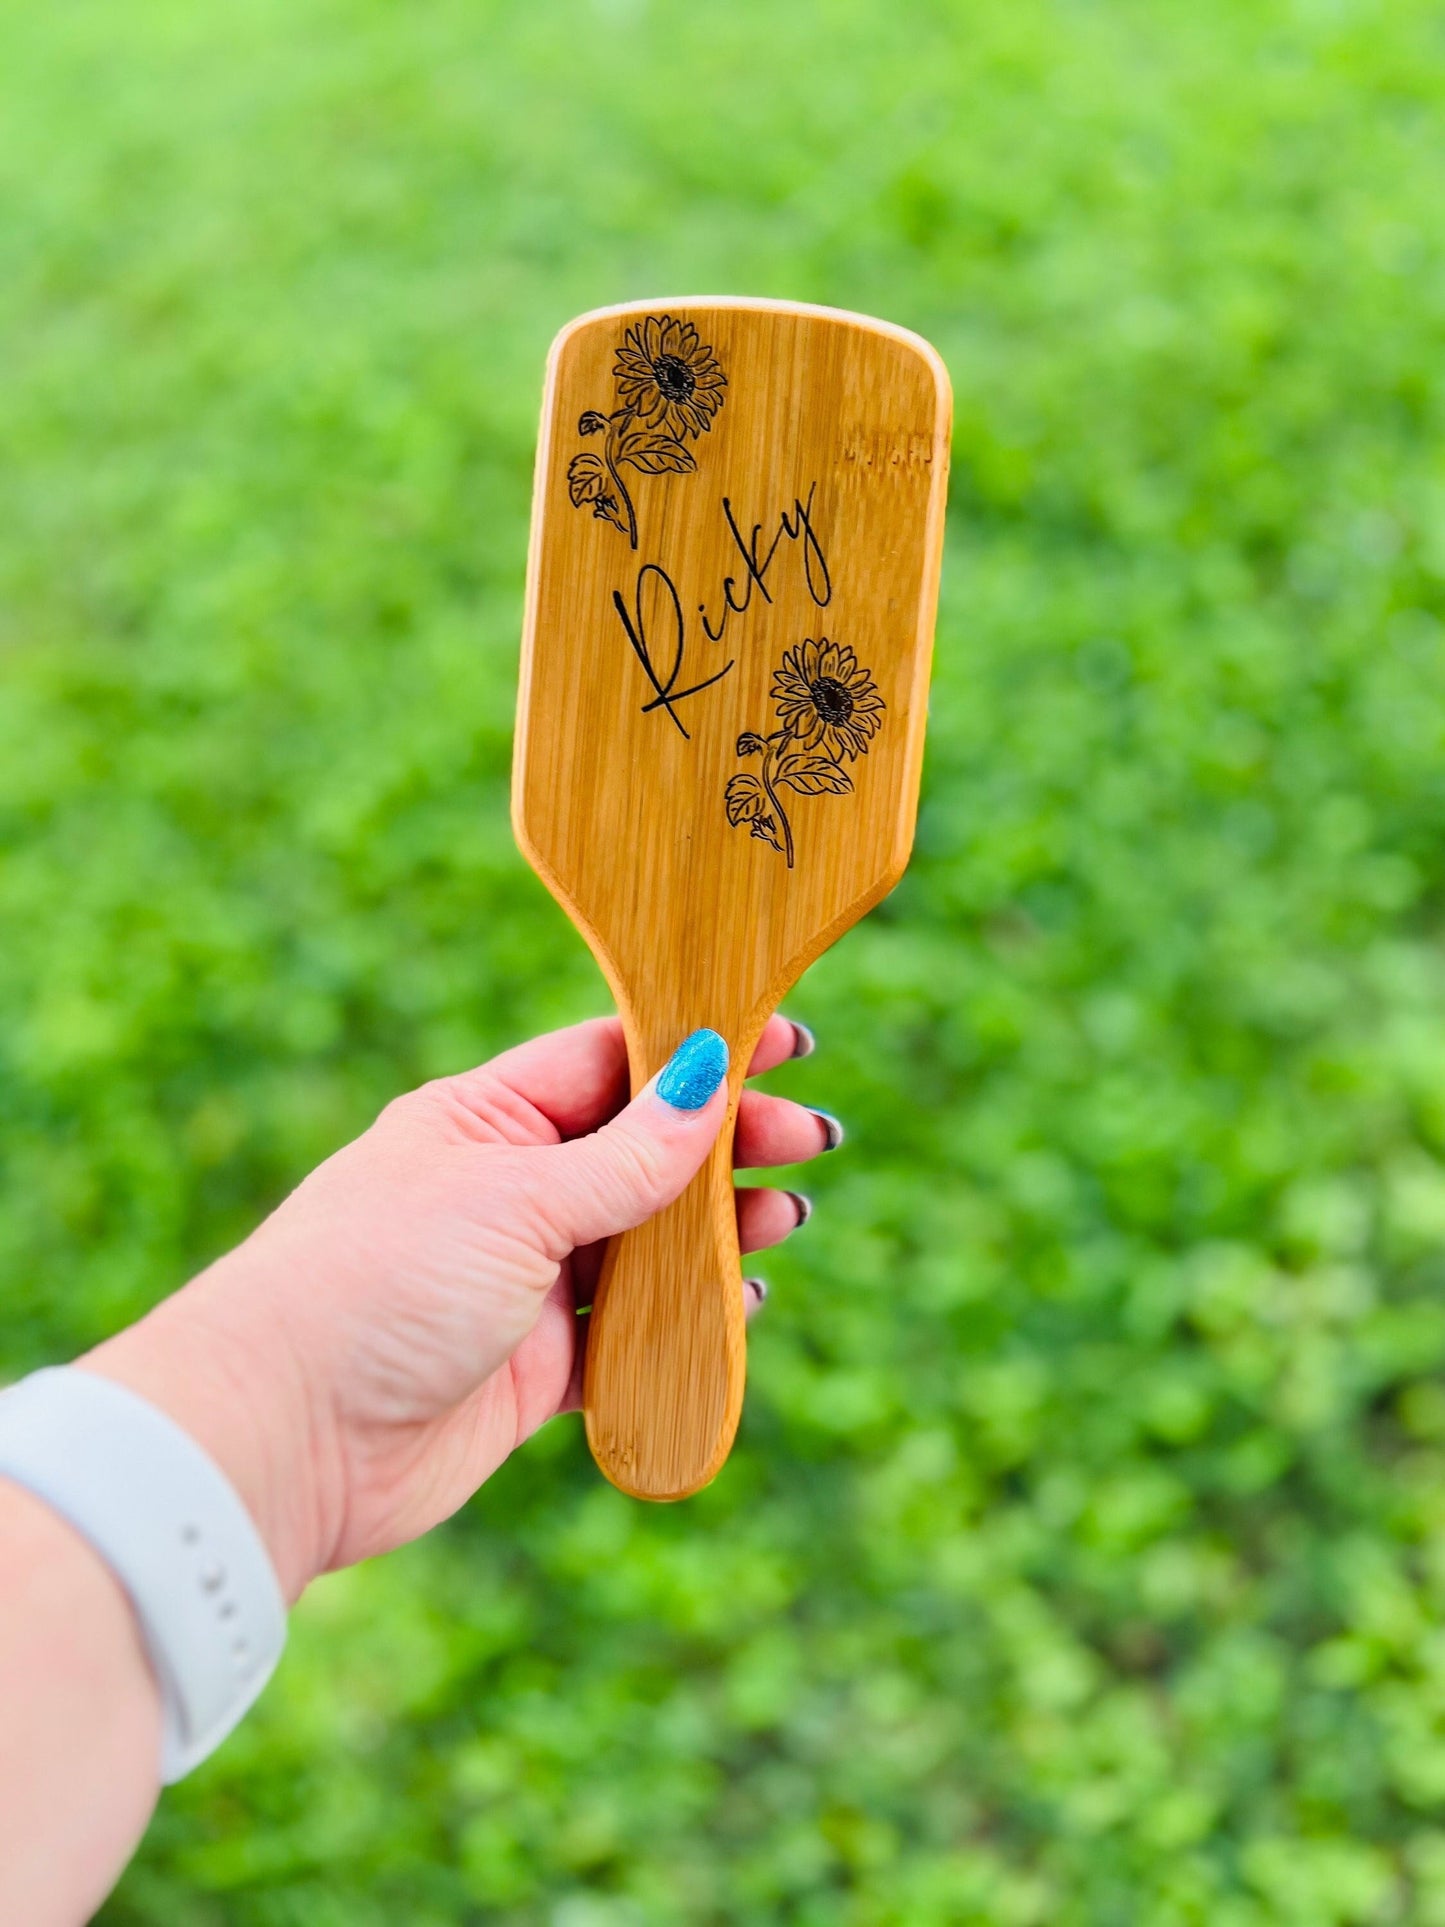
column 1083, row 1562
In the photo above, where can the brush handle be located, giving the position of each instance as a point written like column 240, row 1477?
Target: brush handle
column 666, row 1347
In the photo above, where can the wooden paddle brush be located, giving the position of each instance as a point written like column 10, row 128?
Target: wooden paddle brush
column 736, row 535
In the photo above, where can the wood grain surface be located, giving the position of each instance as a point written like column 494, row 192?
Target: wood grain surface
column 736, row 534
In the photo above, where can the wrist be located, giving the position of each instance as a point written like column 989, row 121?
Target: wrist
column 215, row 1360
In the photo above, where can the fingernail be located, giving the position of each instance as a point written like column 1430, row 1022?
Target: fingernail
column 832, row 1125
column 804, row 1042
column 804, row 1208
column 694, row 1071
column 758, row 1287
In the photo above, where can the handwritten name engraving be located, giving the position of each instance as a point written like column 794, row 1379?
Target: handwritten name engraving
column 635, row 622
column 796, row 526
column 654, row 623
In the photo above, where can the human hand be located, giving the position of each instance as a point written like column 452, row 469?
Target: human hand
column 408, row 1315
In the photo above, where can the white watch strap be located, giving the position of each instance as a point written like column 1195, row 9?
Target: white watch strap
column 171, row 1527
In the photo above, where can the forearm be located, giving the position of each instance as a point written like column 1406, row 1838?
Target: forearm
column 79, row 1720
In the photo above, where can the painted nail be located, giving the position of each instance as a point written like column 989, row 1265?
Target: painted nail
column 832, row 1125
column 758, row 1287
column 694, row 1071
column 803, row 1206
column 804, row 1042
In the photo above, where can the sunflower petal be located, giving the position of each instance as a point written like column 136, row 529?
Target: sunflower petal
column 790, row 673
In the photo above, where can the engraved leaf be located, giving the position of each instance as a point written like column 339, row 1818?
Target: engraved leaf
column 656, row 454
column 586, row 478
column 814, row 776
column 744, row 799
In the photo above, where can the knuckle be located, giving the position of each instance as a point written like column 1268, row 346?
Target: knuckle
column 639, row 1166
column 411, row 1109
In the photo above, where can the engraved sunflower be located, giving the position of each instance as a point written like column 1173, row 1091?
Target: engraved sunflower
column 825, row 700
column 668, row 377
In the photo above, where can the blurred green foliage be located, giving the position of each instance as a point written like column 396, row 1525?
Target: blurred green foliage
column 1083, row 1562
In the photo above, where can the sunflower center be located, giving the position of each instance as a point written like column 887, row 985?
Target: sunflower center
column 674, row 377
column 832, row 699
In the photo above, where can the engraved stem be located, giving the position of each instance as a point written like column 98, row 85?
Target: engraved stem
column 615, row 425
column 782, row 738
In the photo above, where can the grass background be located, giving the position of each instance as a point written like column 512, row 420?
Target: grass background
column 1083, row 1562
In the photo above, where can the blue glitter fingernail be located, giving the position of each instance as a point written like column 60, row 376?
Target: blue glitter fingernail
column 694, row 1071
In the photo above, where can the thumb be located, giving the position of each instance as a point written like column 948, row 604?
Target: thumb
column 599, row 1185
